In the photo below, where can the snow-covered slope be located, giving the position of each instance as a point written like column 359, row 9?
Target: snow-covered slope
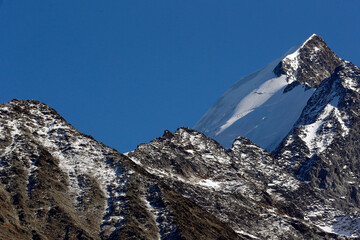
column 264, row 105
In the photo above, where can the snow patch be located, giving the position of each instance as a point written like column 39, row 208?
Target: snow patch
column 312, row 135
column 209, row 183
column 246, row 234
column 342, row 225
column 351, row 84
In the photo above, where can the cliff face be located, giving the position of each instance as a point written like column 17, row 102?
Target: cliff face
column 310, row 64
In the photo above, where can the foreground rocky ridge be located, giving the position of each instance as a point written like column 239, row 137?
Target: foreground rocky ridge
column 57, row 183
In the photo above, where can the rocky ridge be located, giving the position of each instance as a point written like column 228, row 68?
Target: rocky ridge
column 243, row 187
column 58, row 183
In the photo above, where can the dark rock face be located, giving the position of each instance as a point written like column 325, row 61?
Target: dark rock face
column 314, row 62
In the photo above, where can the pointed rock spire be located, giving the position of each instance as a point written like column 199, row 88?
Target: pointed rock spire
column 310, row 63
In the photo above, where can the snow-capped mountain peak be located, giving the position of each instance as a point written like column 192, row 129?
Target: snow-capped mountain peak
column 308, row 63
column 292, row 60
column 264, row 105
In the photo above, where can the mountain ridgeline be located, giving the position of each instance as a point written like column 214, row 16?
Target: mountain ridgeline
column 285, row 164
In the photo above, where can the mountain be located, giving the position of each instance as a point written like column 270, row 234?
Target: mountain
column 295, row 175
column 303, row 108
column 256, row 106
column 57, row 183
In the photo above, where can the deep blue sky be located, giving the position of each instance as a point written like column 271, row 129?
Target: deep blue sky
column 124, row 71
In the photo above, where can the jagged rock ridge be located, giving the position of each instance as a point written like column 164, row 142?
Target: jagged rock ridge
column 310, row 64
column 57, row 183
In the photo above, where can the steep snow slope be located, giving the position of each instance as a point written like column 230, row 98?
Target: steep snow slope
column 264, row 105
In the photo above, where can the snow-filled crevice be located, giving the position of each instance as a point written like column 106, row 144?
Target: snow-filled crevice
column 164, row 219
column 318, row 135
column 31, row 177
column 114, row 217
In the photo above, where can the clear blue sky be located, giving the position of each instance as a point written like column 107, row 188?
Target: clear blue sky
column 124, row 71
